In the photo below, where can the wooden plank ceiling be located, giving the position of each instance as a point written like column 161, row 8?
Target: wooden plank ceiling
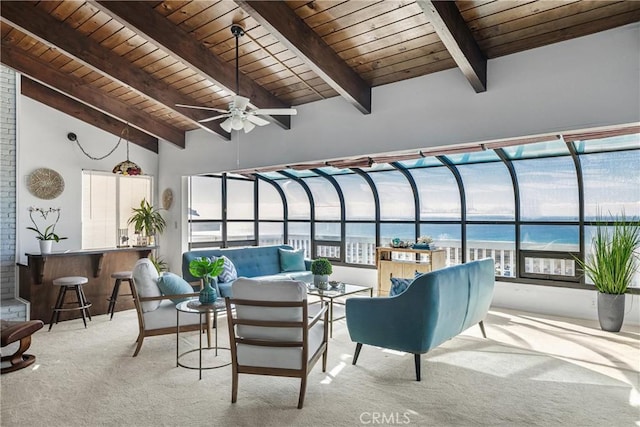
column 133, row 61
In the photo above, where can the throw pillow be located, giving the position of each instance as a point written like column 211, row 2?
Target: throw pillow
column 291, row 260
column 145, row 279
column 398, row 286
column 229, row 273
column 172, row 284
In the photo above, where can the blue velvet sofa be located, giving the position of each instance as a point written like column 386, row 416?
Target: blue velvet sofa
column 257, row 262
column 434, row 308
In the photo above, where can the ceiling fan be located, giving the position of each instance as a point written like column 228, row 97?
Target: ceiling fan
column 238, row 116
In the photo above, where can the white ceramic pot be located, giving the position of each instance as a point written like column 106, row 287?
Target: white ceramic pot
column 45, row 246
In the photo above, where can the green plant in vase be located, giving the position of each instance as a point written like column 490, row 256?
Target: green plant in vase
column 48, row 236
column 147, row 220
column 207, row 270
column 611, row 266
column 321, row 269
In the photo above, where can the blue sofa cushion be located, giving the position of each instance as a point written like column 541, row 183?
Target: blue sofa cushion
column 229, row 273
column 291, row 260
column 172, row 284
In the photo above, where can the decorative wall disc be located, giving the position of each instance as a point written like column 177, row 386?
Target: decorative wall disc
column 167, row 198
column 45, row 183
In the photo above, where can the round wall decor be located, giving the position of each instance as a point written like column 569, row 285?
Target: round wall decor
column 167, row 198
column 45, row 183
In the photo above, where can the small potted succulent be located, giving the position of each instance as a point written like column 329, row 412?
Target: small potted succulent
column 321, row 269
column 207, row 270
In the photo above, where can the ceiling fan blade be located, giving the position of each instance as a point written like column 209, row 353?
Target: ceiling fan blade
column 201, row 108
column 275, row 111
column 240, row 102
column 213, row 118
column 257, row 120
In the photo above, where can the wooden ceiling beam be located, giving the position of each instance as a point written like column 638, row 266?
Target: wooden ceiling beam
column 283, row 23
column 38, row 24
column 80, row 111
column 74, row 87
column 457, row 38
column 141, row 18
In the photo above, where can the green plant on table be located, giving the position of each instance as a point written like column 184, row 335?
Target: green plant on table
column 206, row 269
column 613, row 260
column 321, row 267
column 49, row 232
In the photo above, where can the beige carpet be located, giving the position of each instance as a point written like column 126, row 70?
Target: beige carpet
column 533, row 370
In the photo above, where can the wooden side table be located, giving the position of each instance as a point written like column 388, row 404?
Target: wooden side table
column 204, row 310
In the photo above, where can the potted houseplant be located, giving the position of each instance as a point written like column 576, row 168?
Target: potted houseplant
column 207, row 270
column 48, row 236
column 611, row 266
column 321, row 269
column 147, row 220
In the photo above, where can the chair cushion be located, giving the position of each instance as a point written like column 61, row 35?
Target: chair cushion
column 172, row 284
column 280, row 357
column 229, row 272
column 165, row 317
column 269, row 290
column 291, row 260
column 145, row 279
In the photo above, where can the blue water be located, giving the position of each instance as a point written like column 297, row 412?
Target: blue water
column 540, row 234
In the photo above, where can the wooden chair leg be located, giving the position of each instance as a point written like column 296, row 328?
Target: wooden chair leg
column 18, row 359
column 357, row 353
column 416, row 358
column 303, row 390
column 324, row 359
column 139, row 346
column 481, row 324
column 234, row 385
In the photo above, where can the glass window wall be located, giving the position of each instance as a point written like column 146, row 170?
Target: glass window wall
column 537, row 241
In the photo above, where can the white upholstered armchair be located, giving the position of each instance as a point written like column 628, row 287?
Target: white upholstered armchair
column 156, row 312
column 271, row 333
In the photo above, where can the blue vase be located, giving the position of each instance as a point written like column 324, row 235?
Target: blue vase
column 208, row 293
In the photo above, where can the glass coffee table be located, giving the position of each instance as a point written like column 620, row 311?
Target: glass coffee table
column 203, row 310
column 333, row 293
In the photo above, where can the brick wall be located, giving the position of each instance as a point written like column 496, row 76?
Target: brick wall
column 10, row 308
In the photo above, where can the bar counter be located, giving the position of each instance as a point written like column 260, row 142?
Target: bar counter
column 96, row 265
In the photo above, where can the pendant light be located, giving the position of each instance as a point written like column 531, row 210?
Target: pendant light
column 127, row 167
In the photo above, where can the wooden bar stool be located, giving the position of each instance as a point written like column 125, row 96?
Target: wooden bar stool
column 71, row 283
column 120, row 276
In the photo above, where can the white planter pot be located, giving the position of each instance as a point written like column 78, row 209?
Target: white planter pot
column 45, row 246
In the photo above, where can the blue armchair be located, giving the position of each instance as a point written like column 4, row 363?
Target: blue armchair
column 435, row 307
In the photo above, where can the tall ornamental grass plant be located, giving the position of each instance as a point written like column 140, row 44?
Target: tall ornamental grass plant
column 613, row 260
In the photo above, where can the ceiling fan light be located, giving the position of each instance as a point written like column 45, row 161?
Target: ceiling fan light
column 226, row 125
column 237, row 123
column 248, row 126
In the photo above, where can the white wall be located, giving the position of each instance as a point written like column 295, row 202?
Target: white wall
column 42, row 142
column 586, row 82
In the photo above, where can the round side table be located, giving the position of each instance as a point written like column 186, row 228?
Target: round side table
column 204, row 310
